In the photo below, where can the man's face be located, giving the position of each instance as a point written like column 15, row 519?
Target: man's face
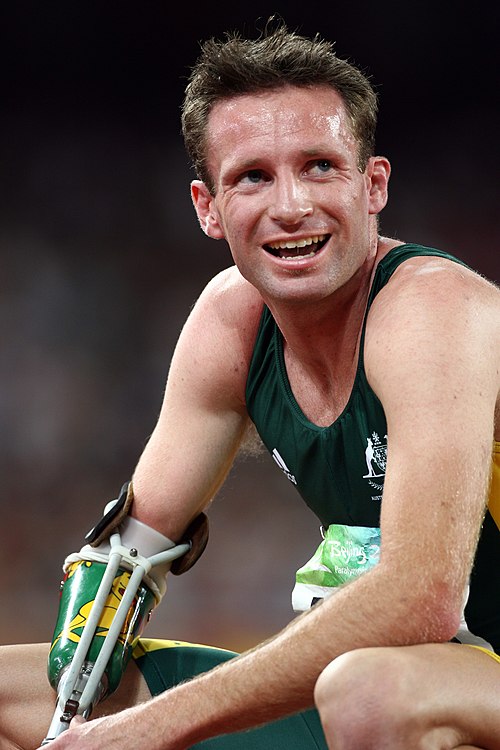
column 289, row 197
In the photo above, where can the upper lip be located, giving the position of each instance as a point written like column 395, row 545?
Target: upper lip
column 293, row 242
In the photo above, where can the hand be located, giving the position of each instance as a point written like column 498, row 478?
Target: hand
column 130, row 729
column 78, row 736
column 58, row 742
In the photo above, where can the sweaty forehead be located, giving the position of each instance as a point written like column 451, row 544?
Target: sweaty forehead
column 318, row 111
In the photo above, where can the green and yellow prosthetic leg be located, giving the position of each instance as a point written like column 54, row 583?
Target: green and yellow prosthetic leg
column 108, row 593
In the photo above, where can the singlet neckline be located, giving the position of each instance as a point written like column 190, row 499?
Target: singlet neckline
column 290, row 397
column 360, row 378
column 360, row 375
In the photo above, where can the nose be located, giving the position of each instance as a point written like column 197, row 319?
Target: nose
column 290, row 202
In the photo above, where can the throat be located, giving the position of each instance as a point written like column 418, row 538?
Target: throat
column 319, row 409
column 321, row 397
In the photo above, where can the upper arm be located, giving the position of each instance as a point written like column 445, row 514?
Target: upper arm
column 432, row 357
column 203, row 416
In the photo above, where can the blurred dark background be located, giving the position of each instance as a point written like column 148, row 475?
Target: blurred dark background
column 101, row 259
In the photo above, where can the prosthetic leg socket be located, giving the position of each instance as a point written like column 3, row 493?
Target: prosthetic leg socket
column 107, row 597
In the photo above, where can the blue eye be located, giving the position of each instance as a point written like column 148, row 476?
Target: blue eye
column 254, row 175
column 324, row 165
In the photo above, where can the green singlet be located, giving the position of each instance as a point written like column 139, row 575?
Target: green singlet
column 339, row 472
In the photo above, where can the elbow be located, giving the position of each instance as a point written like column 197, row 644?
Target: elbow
column 445, row 625
column 426, row 604
column 439, row 614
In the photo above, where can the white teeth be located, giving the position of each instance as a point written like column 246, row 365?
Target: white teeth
column 296, row 257
column 292, row 244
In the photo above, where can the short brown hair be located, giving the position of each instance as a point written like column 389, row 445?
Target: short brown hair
column 235, row 66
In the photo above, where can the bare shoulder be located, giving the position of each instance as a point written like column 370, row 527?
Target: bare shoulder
column 434, row 328
column 228, row 293
column 437, row 292
column 228, row 307
column 215, row 347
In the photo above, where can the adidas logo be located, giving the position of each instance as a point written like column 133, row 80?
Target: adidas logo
column 284, row 468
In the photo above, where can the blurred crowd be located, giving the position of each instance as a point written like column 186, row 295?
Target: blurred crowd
column 100, row 267
column 101, row 259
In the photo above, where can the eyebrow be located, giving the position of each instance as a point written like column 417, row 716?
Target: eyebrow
column 308, row 152
column 321, row 149
column 247, row 164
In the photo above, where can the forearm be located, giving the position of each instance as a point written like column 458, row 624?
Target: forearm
column 278, row 677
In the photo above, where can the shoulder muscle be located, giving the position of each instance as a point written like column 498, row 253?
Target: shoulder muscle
column 215, row 346
column 432, row 342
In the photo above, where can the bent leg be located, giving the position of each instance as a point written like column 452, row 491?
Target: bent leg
column 166, row 663
column 432, row 696
column 27, row 701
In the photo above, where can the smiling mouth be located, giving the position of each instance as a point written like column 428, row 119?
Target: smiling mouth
column 294, row 249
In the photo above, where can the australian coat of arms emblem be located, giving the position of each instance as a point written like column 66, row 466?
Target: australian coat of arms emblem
column 376, row 460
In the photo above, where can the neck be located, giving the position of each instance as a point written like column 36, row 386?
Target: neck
column 326, row 332
column 321, row 342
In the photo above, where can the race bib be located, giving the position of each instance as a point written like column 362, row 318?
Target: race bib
column 345, row 553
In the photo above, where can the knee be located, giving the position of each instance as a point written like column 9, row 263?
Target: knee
column 363, row 696
column 23, row 683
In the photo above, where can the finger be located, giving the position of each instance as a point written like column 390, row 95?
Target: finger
column 76, row 721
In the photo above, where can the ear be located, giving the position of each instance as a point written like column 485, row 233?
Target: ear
column 378, row 172
column 205, row 209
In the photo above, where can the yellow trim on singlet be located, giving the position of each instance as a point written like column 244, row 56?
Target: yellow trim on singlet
column 494, row 496
column 494, row 656
column 147, row 645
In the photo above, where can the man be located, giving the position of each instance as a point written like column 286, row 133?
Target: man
column 370, row 368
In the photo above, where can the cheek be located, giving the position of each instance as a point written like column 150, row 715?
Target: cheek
column 359, row 204
column 350, row 208
column 240, row 220
column 236, row 238
column 229, row 213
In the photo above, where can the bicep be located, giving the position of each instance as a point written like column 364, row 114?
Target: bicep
column 183, row 465
column 202, row 420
